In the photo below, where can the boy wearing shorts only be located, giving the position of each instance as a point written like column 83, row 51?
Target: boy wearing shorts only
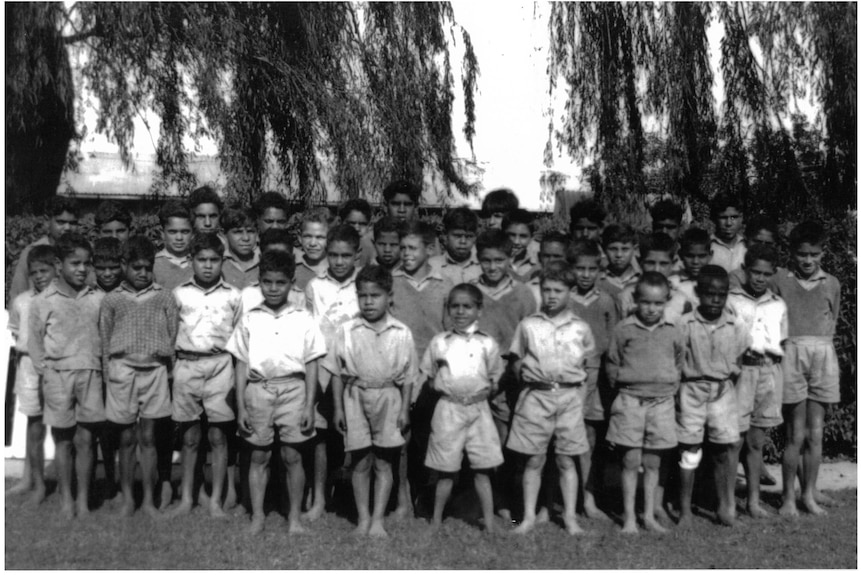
column 459, row 263
column 241, row 257
column 173, row 264
column 277, row 347
column 374, row 366
column 65, row 348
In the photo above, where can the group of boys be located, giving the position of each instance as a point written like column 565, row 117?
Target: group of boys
column 492, row 344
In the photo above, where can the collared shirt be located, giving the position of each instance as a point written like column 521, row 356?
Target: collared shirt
column 251, row 296
column 306, row 272
column 553, row 348
column 728, row 255
column 420, row 304
column 599, row 310
column 522, row 269
column 171, row 271
column 713, row 349
column 462, row 364
column 240, row 273
column 505, row 305
column 612, row 284
column 19, row 319
column 457, row 272
column 207, row 317
column 677, row 305
column 645, row 360
column 21, row 277
column 276, row 343
column 332, row 302
column 812, row 304
column 765, row 317
column 64, row 328
column 139, row 323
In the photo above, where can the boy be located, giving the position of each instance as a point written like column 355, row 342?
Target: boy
column 644, row 361
column 810, row 365
column 387, row 242
column 373, row 366
column 107, row 263
column 666, row 216
column 618, row 241
column 273, row 239
column 586, row 219
column 205, row 207
column 459, row 264
column 272, row 211
column 138, row 326
column 311, row 259
column 28, row 387
column 113, row 221
column 758, row 230
column 61, row 216
column 714, row 340
column 518, row 226
column 277, row 347
column 551, row 248
column 656, row 255
column 208, row 309
column 550, row 350
column 497, row 205
column 728, row 244
column 173, row 265
column 760, row 385
column 241, row 258
column 64, row 346
column 401, row 198
column 694, row 253
column 356, row 213
column 463, row 365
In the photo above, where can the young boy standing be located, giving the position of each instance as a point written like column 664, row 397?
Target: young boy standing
column 311, row 260
column 401, row 198
column 387, row 242
column 618, row 242
column 205, row 207
column 695, row 253
column 108, row 263
column 173, row 265
column 656, row 255
column 113, row 221
column 459, row 264
column 728, row 244
column 518, row 226
column 272, row 212
column 241, row 257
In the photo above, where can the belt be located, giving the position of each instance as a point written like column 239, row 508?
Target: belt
column 289, row 378
column 552, row 385
column 753, row 358
column 365, row 384
column 196, row 355
column 467, row 399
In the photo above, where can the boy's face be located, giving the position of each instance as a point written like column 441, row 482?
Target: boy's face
column 206, row 218
column 649, row 303
column 495, row 265
column 495, row 222
column 401, row 207
column 584, row 229
column 42, row 274
column 695, row 257
column 728, row 223
column 342, row 259
column 206, row 266
column 275, row 286
column 619, row 256
column 115, row 229
column 73, row 269
column 177, row 235
column 551, row 252
column 757, row 276
column 762, row 237
column 139, row 273
column 459, row 244
column 463, row 310
column 655, row 261
column 274, row 218
column 669, row 227
column 61, row 224
column 807, row 258
column 242, row 240
column 277, row 248
column 388, row 248
column 713, row 296
column 414, row 253
column 358, row 222
column 586, row 270
column 520, row 236
column 313, row 240
column 555, row 296
column 373, row 301
column 109, row 273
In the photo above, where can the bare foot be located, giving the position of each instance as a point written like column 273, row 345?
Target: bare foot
column 377, row 529
column 256, row 525
column 402, row 512
column 36, row 498
column 216, row 512
column 238, row 511
column 203, row 498
column 18, row 489
column 525, row 527
column 571, row 523
column 151, row 511
column 594, row 512
column 822, row 499
column 685, row 519
column 433, row 528
column 492, row 527
column 810, row 505
column 660, row 513
column 505, row 515
column 652, row 525
column 362, row 528
column 295, row 527
column 165, row 496
column 725, row 518
column 184, row 508
column 630, row 526
column 313, row 514
column 67, row 509
column 82, row 510
column 127, row 509
column 788, row 509
column 756, row 511
column 542, row 516
column 230, row 499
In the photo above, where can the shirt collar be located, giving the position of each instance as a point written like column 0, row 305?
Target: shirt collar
column 60, row 288
column 471, row 330
column 173, row 258
column 388, row 323
column 342, row 283
column 219, row 284
column 817, row 276
column 564, row 317
column 726, row 317
column 124, row 286
column 739, row 239
column 433, row 273
column 287, row 309
column 768, row 295
column 471, row 260
column 246, row 265
column 587, row 297
column 633, row 320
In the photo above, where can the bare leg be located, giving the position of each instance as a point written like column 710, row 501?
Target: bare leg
column 382, row 488
column 441, row 496
column 754, row 439
column 320, row 473
column 191, row 442
column 588, row 479
column 36, row 458
column 816, row 412
column 726, row 461
column 258, row 476
column 503, row 477
column 652, row 465
column 83, row 467
column 149, row 460
column 27, row 476
column 218, row 443
column 296, row 485
column 482, row 483
column 232, row 447
column 63, row 438
column 631, row 464
column 686, row 485
column 108, row 444
column 405, row 505
column 361, row 479
column 532, row 482
column 128, row 445
column 164, row 446
column 569, row 487
column 794, row 422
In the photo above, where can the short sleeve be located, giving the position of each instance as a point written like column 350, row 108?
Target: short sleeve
column 315, row 346
column 519, row 343
column 428, row 365
column 237, row 345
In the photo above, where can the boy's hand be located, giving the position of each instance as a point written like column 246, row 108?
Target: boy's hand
column 243, row 421
column 340, row 421
column 404, row 419
column 307, row 423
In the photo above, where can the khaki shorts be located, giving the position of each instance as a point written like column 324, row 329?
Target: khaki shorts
column 810, row 371
column 642, row 422
column 28, row 388
column 204, row 385
column 707, row 406
column 758, row 396
column 276, row 405
column 372, row 417
column 457, row 428
column 541, row 415
column 136, row 391
column 73, row 396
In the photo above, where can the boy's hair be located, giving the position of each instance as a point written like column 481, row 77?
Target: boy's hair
column 59, row 204
column 721, row 202
column 206, row 242
column 387, row 225
column 418, row 228
column 808, row 232
column 472, row 291
column 578, row 248
column 139, row 248
column 275, row 236
column 278, row 262
column 377, row 275
column 69, row 242
column 204, row 195
column 518, row 216
column 107, row 250
column 622, row 233
column 45, row 254
column 320, row 215
column 402, row 187
column 760, row 252
column 493, row 240
column 499, row 201
column 554, row 237
column 651, row 279
column 694, row 237
column 761, row 222
column 461, row 218
column 111, row 211
column 343, row 233
column 589, row 210
column 657, row 242
column 173, row 209
column 236, row 217
column 355, row 205
column 557, row 271
column 711, row 272
column 666, row 210
column 270, row 200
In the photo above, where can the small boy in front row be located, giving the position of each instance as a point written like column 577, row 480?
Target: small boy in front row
column 373, row 366
column 277, row 347
column 551, row 350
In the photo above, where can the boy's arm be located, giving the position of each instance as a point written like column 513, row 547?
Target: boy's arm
column 612, row 365
column 338, row 400
column 36, row 343
column 307, row 424
column 106, row 327
column 241, row 378
column 15, row 321
column 409, row 377
column 172, row 315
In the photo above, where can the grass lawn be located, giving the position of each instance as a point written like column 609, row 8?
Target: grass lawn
column 39, row 539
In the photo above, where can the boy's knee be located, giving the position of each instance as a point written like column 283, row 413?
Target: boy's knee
column 535, row 462
column 361, row 461
column 217, row 436
column 260, row 456
column 291, row 456
column 192, row 436
column 632, row 458
column 565, row 462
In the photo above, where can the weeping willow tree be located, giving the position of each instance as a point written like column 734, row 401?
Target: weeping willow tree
column 640, row 96
column 296, row 92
